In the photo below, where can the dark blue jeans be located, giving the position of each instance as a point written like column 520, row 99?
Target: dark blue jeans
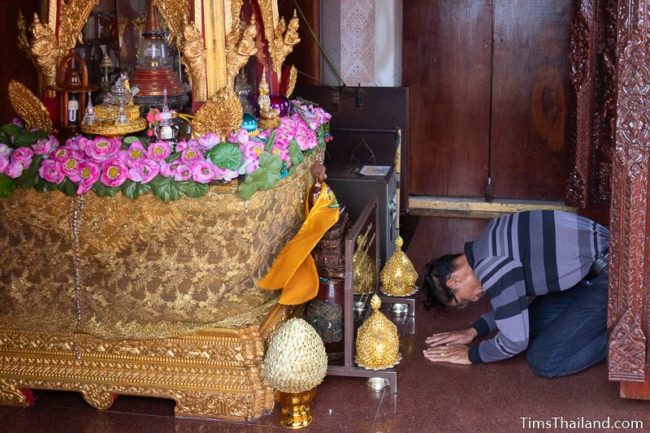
column 568, row 330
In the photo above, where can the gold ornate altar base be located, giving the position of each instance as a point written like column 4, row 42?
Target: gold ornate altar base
column 214, row 373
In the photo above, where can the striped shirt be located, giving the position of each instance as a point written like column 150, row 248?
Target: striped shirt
column 522, row 255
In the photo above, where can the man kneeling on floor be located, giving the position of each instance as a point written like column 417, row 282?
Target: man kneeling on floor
column 545, row 274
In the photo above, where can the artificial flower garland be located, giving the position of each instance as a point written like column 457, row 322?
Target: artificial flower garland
column 134, row 165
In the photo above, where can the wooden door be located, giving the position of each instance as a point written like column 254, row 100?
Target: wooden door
column 488, row 82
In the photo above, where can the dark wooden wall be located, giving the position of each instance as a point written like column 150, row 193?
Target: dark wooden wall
column 13, row 62
column 488, row 75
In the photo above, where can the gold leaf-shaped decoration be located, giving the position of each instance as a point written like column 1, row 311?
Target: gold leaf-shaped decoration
column 399, row 276
column 293, row 77
column 28, row 107
column 221, row 114
column 377, row 340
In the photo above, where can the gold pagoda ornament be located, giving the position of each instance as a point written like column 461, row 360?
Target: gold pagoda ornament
column 398, row 277
column 377, row 341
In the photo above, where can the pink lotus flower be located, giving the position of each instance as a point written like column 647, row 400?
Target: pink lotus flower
column 114, row 173
column 50, row 170
column 168, row 170
column 4, row 162
column 183, row 172
column 22, row 155
column 77, row 142
column 239, row 137
column 102, row 148
column 45, row 145
column 159, row 151
column 61, row 153
column 135, row 153
column 70, row 168
column 16, row 121
column 208, row 141
column 203, row 172
column 88, row 174
column 14, row 169
column 191, row 155
column 144, row 171
column 5, row 150
column 225, row 174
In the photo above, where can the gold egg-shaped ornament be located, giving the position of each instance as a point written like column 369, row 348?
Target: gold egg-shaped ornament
column 398, row 277
column 364, row 270
column 377, row 341
column 294, row 364
column 295, row 360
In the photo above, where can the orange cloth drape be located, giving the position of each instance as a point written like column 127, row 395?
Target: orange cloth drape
column 294, row 270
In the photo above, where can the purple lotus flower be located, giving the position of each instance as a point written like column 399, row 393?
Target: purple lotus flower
column 159, row 151
column 102, row 148
column 14, row 169
column 203, row 172
column 114, row 173
column 45, row 145
column 50, row 170
column 183, row 172
column 88, row 174
column 144, row 171
column 23, row 155
column 4, row 162
column 208, row 141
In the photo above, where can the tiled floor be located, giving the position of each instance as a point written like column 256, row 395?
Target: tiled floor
column 502, row 397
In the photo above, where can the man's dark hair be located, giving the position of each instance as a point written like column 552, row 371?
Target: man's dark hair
column 436, row 275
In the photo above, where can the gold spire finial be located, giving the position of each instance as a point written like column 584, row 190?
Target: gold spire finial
column 398, row 277
column 377, row 340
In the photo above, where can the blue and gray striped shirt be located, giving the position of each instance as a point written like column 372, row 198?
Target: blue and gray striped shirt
column 524, row 255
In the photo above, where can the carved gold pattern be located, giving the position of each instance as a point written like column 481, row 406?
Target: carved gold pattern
column 175, row 13
column 45, row 50
column 194, row 57
column 73, row 17
column 628, row 285
column 240, row 45
column 160, row 277
column 111, row 129
column 213, row 373
column 221, row 114
column 269, row 21
column 29, row 107
column 285, row 37
column 23, row 40
column 235, row 14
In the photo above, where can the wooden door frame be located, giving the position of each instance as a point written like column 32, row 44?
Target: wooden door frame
column 629, row 219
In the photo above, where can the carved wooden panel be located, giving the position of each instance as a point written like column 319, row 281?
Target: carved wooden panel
column 592, row 118
column 627, row 309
